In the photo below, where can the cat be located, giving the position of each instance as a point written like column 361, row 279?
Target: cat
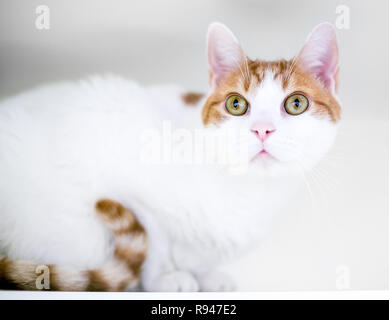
column 120, row 272
column 65, row 146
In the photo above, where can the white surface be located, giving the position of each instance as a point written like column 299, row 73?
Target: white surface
column 308, row 295
column 344, row 220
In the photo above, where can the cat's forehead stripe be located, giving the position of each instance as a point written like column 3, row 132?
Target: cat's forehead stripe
column 258, row 70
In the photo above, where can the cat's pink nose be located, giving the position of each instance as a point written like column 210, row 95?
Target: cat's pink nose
column 262, row 130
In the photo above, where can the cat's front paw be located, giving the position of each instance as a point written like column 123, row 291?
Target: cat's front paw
column 217, row 281
column 176, row 281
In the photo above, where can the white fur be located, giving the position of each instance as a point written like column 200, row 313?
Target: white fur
column 65, row 146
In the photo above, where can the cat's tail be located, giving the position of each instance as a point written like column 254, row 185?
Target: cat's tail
column 120, row 273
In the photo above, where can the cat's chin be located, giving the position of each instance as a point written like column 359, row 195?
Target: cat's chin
column 263, row 164
column 267, row 165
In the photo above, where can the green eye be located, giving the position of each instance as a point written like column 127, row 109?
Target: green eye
column 296, row 104
column 236, row 105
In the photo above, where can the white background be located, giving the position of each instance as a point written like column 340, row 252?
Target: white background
column 344, row 219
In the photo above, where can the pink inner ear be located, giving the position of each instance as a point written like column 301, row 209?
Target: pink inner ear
column 319, row 55
column 224, row 53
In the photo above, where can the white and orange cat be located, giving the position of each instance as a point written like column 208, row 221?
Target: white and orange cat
column 64, row 147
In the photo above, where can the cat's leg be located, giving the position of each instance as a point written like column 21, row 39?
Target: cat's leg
column 159, row 272
column 216, row 280
column 203, row 264
column 174, row 281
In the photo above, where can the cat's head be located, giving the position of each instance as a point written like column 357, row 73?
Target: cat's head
column 288, row 109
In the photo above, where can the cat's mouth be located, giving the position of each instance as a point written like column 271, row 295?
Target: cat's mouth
column 263, row 156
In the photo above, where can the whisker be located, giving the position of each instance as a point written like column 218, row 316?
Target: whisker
column 309, row 189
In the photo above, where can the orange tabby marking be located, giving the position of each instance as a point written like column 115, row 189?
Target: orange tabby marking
column 121, row 273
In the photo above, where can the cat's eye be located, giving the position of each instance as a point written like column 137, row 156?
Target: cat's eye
column 296, row 104
column 236, row 105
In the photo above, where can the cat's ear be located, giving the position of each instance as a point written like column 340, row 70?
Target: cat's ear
column 320, row 57
column 224, row 53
